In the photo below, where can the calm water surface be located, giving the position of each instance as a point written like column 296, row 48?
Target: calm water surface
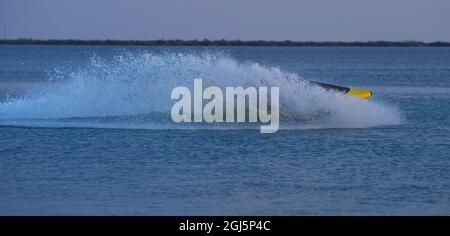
column 71, row 146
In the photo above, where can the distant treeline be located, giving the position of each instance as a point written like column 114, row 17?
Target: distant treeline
column 223, row 42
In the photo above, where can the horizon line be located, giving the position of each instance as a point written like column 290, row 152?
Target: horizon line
column 221, row 42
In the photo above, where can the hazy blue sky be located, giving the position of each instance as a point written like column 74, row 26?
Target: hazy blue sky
column 346, row 20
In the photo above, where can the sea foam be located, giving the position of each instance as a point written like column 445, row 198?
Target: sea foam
column 133, row 91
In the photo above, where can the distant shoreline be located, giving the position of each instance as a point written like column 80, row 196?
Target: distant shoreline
column 207, row 42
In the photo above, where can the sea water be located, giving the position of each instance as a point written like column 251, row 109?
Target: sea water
column 87, row 130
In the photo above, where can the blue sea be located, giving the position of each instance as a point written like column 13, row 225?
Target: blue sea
column 86, row 130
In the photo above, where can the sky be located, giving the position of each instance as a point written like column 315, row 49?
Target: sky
column 300, row 20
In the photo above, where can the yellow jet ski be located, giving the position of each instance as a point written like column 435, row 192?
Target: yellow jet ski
column 357, row 92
